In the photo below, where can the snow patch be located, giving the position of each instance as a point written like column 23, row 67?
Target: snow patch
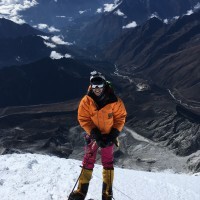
column 62, row 16
column 166, row 21
column 189, row 12
column 154, row 15
column 195, row 8
column 109, row 7
column 176, row 17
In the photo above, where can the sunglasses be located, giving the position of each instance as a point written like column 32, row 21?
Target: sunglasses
column 97, row 86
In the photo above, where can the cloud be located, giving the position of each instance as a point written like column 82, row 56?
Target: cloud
column 45, row 26
column 99, row 10
column 48, row 44
column 68, row 56
column 58, row 40
column 44, row 37
column 10, row 9
column 118, row 12
column 53, row 29
column 133, row 24
column 42, row 26
column 55, row 55
column 82, row 11
column 197, row 6
column 116, row 1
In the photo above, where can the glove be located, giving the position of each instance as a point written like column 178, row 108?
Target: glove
column 101, row 143
column 97, row 136
column 114, row 133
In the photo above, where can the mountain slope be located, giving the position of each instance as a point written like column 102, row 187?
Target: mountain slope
column 21, row 44
column 168, row 55
column 44, row 81
column 9, row 29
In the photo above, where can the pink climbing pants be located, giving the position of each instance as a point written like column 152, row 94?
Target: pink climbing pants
column 91, row 152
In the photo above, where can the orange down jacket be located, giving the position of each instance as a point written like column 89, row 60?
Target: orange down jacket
column 112, row 115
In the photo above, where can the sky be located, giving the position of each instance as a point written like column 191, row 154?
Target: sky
column 34, row 176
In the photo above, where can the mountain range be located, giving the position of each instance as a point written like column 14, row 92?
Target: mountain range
column 88, row 22
column 125, row 14
column 22, row 44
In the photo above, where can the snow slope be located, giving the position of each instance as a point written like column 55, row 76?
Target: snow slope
column 33, row 176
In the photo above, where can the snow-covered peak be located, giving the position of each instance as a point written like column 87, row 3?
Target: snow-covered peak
column 33, row 176
column 154, row 15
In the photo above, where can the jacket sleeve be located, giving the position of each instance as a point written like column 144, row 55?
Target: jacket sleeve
column 119, row 115
column 84, row 116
